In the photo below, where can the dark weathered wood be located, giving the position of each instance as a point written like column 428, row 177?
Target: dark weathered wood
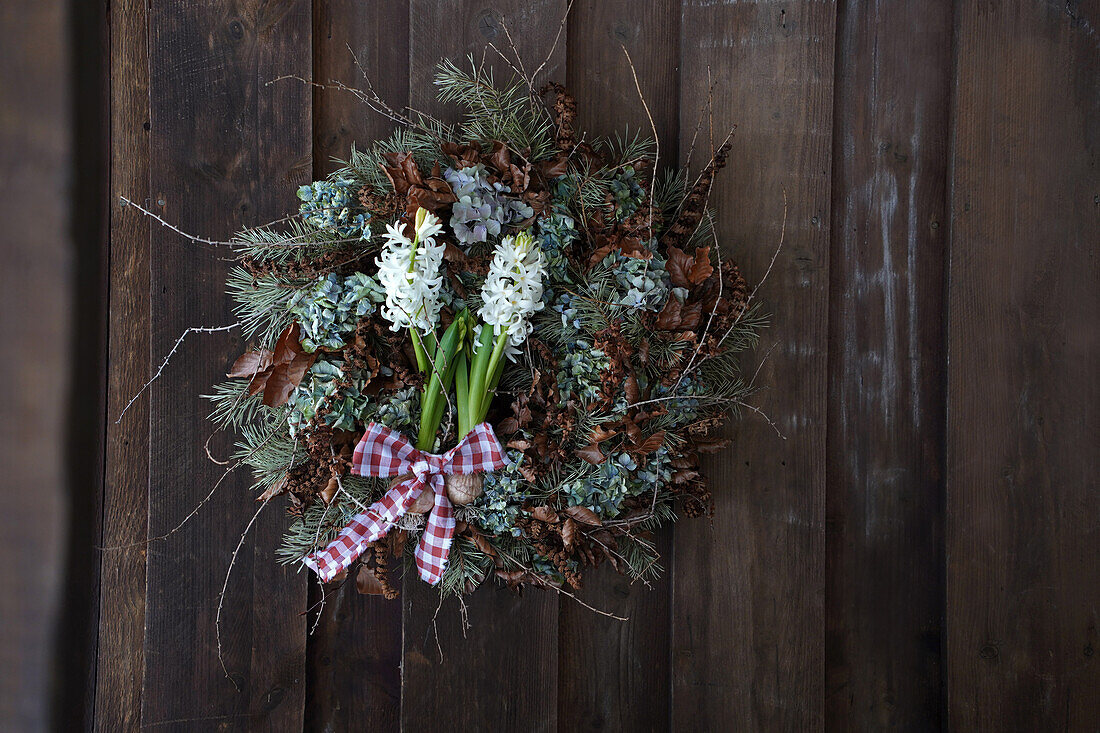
column 884, row 592
column 1023, row 428
column 748, row 651
column 354, row 663
column 225, row 150
column 501, row 674
column 120, row 662
column 38, row 320
column 614, row 675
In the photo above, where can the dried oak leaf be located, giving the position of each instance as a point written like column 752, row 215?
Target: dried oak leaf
column 584, row 515
column 687, row 270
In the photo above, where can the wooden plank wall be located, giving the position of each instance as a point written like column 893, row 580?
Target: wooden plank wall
column 914, row 545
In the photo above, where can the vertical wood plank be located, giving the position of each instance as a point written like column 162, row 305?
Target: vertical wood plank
column 614, row 675
column 884, row 598
column 120, row 659
column 38, row 317
column 225, row 150
column 501, row 674
column 354, row 674
column 1023, row 426
column 748, row 651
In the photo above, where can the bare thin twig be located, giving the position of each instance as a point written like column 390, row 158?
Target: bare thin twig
column 163, row 364
column 225, row 584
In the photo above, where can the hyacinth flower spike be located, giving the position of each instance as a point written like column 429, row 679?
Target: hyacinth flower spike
column 511, row 294
column 409, row 271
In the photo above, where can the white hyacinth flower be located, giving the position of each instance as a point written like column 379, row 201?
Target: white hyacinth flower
column 410, row 274
column 513, row 288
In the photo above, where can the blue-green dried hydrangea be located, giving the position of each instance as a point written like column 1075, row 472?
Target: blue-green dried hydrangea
column 580, row 371
column 481, row 209
column 332, row 206
column 640, row 283
column 332, row 307
column 555, row 233
column 620, row 477
column 501, row 500
column 627, row 194
column 318, row 386
column 400, row 412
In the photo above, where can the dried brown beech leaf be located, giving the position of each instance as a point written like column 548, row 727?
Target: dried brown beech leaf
column 683, row 477
column 544, row 514
column 650, row 444
column 584, row 515
column 279, row 487
column 591, row 453
column 678, row 265
column 329, row 492
column 687, row 270
column 250, row 363
column 289, row 365
column 519, row 444
column 630, row 385
column 701, row 268
column 669, row 317
column 367, row 583
column 397, row 539
column 599, row 435
column 507, row 426
column 278, row 374
column 710, row 445
column 568, row 533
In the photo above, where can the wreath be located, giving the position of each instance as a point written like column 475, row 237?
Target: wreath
column 493, row 350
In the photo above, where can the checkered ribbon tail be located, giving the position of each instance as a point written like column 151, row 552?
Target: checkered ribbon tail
column 384, row 452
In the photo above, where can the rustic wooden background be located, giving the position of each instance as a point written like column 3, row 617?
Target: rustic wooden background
column 920, row 551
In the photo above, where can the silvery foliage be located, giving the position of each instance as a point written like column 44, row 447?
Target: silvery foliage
column 620, row 477
column 481, row 209
column 580, row 372
column 320, row 388
column 501, row 500
column 332, row 307
column 641, row 283
column 332, row 206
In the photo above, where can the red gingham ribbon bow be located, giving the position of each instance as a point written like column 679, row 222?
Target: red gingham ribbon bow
column 384, row 452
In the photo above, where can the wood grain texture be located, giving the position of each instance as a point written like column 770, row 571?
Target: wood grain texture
column 884, row 598
column 1023, row 542
column 748, row 651
column 354, row 657
column 38, row 319
column 614, row 675
column 120, row 664
column 501, row 674
column 226, row 150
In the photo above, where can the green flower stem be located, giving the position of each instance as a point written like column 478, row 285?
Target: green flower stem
column 422, row 363
column 462, row 395
column 478, row 371
column 431, row 405
column 491, row 387
column 486, row 373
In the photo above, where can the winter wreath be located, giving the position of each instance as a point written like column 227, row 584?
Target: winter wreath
column 492, row 350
